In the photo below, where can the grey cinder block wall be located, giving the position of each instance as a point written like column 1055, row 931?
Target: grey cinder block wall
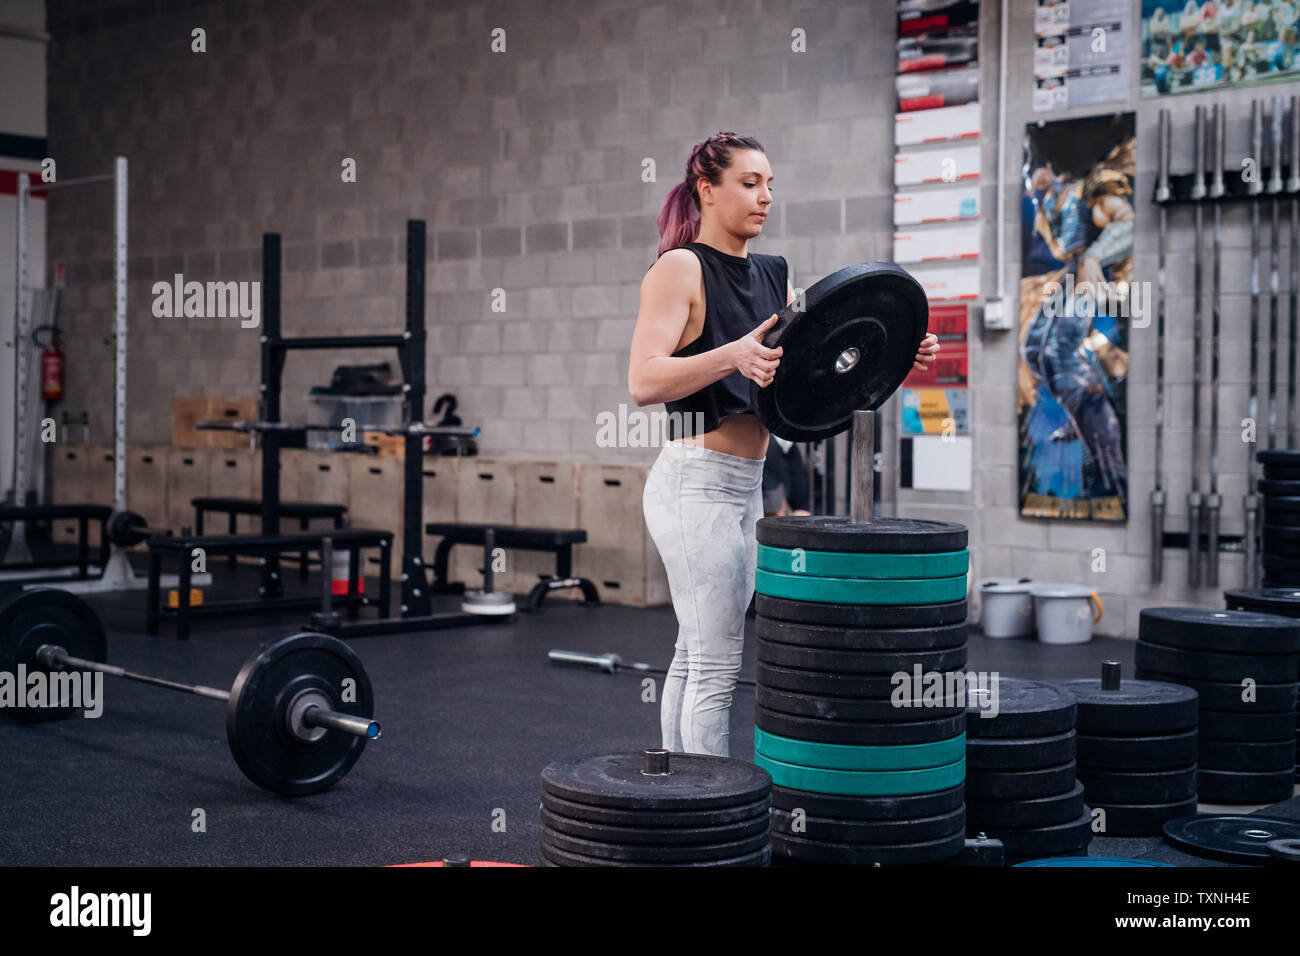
column 528, row 166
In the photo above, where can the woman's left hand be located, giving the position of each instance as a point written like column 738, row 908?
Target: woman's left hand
column 926, row 352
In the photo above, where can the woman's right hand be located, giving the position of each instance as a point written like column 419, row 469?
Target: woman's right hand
column 754, row 360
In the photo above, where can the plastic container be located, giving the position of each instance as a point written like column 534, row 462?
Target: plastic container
column 1006, row 609
column 1064, row 613
column 363, row 410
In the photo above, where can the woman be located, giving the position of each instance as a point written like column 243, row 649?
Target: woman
column 698, row 337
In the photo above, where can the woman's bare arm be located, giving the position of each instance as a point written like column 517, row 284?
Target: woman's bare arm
column 654, row 374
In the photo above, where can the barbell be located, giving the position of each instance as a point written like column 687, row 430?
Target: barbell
column 297, row 716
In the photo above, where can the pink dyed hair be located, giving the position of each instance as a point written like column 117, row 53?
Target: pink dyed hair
column 679, row 216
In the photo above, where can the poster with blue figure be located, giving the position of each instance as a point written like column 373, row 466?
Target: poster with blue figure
column 1076, row 301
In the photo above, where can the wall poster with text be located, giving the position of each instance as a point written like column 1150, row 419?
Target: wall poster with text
column 1077, row 264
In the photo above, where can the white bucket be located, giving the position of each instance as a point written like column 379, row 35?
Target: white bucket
column 1065, row 613
column 1006, row 609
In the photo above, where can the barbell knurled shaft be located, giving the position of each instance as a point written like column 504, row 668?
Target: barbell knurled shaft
column 57, row 655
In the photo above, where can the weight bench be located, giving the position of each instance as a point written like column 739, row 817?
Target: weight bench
column 560, row 541
column 304, row 511
column 351, row 540
column 84, row 514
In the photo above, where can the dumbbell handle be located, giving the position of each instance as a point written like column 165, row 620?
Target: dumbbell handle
column 55, row 658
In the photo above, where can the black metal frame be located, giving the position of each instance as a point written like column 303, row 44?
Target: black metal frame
column 84, row 514
column 416, row 604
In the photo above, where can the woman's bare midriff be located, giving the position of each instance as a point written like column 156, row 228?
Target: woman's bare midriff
column 741, row 435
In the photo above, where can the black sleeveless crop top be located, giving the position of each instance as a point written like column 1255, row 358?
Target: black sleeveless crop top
column 739, row 294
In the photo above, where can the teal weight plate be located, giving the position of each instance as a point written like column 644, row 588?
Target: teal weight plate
column 848, row 564
column 824, row 590
column 862, row 783
column 805, row 753
column 1089, row 861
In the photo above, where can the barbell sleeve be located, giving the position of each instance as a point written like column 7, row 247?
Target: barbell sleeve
column 343, row 723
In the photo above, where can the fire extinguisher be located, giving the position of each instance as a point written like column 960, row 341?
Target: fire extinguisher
column 52, row 362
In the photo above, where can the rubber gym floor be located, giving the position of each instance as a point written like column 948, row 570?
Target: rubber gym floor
column 470, row 717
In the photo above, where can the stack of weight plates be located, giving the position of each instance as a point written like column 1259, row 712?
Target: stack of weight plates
column 858, row 626
column 1283, row 601
column 1020, row 771
column 1243, row 665
column 1280, row 545
column 1137, row 751
column 655, row 809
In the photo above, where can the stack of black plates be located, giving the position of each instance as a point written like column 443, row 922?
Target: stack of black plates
column 1280, row 544
column 1020, row 770
column 1283, row 601
column 854, row 623
column 1244, row 666
column 1137, row 751
column 655, row 809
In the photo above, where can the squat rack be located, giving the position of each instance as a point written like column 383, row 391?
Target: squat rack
column 416, row 604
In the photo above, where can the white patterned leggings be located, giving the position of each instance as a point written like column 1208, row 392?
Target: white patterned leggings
column 701, row 507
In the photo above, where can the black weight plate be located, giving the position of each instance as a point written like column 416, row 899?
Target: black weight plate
column 1043, row 841
column 1280, row 519
column 860, row 662
column 882, row 536
column 1247, row 755
column 1228, row 837
column 1138, row 786
column 1285, row 489
column 1223, row 695
column 859, row 732
column 861, row 616
column 846, row 708
column 1225, row 725
column 1237, row 786
column 556, row 857
column 29, row 619
column 1024, row 708
column 655, row 836
column 648, row 853
column 1274, row 544
column 1204, row 665
column 893, row 807
column 1281, row 566
column 1287, row 473
column 1227, row 632
column 896, row 640
column 875, row 686
column 832, row 830
column 1282, row 533
column 661, row 819
column 1137, row 753
column 1282, row 601
column 1278, row 456
column 1036, row 812
column 826, row 852
column 257, row 713
column 1282, row 504
column 1139, row 706
column 849, row 347
column 1020, row 784
column 1140, row 819
column 695, row 782
column 1288, row 851
column 1014, row 753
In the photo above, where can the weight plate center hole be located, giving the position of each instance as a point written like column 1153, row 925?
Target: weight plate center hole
column 846, row 360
